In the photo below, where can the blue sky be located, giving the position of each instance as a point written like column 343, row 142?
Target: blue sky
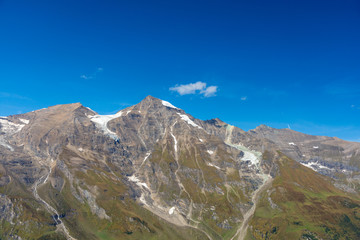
column 249, row 62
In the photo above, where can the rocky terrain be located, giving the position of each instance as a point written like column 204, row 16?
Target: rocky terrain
column 152, row 171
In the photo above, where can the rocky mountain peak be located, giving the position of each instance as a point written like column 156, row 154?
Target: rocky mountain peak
column 262, row 127
column 153, row 103
column 152, row 157
column 216, row 122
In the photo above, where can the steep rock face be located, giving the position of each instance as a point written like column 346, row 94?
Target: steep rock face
column 150, row 170
column 329, row 156
column 302, row 146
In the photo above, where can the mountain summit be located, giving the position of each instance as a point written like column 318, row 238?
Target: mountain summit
column 153, row 171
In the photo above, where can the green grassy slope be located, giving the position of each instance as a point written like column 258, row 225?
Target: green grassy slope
column 303, row 204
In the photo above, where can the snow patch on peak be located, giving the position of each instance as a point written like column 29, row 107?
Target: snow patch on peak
column 201, row 140
column 210, row 152
column 291, row 143
column 167, row 104
column 188, row 120
column 24, row 120
column 101, row 122
column 315, row 147
column 90, row 109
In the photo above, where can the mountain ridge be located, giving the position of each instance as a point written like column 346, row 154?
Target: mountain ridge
column 152, row 170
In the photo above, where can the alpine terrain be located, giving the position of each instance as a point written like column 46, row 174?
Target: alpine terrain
column 152, row 171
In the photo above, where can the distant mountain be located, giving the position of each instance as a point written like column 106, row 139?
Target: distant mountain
column 152, row 171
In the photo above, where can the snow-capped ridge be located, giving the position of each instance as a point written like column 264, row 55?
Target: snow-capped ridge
column 24, row 120
column 188, row 120
column 167, row 104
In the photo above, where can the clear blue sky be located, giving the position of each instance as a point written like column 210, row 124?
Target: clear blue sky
column 272, row 62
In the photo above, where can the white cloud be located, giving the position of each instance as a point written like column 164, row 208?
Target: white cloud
column 84, row 76
column 209, row 91
column 244, row 98
column 195, row 88
column 93, row 75
column 190, row 88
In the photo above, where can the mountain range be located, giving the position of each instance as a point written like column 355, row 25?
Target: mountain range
column 152, row 171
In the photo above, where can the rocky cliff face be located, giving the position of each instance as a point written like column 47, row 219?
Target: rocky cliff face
column 329, row 156
column 151, row 170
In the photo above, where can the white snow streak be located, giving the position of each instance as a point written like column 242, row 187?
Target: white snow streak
column 167, row 104
column 315, row 147
column 24, row 120
column 210, row 152
column 316, row 166
column 134, row 179
column 142, row 199
column 201, row 140
column 212, row 165
column 291, row 143
column 90, row 109
column 188, row 120
column 146, row 157
column 175, row 141
column 3, row 143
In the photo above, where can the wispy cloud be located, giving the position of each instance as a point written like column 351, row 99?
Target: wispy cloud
column 93, row 75
column 243, row 98
column 13, row 96
column 355, row 106
column 195, row 88
column 209, row 91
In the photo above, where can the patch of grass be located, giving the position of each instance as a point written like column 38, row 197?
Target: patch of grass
column 309, row 207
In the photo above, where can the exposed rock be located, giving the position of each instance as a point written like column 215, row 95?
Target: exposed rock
column 6, row 209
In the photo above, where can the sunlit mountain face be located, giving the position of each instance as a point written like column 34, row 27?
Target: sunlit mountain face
column 152, row 171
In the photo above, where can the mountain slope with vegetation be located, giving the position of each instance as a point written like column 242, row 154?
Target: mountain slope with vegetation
column 151, row 171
